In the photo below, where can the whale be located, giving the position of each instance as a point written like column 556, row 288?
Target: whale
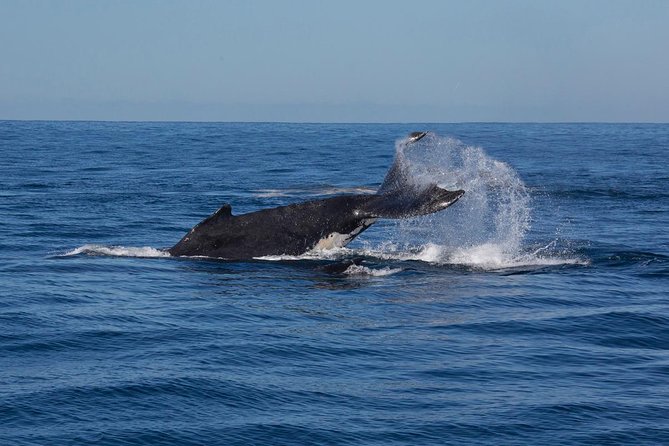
column 313, row 225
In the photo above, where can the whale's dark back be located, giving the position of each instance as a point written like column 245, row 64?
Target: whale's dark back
column 298, row 228
column 291, row 230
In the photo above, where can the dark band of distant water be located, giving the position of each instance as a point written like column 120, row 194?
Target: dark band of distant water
column 533, row 311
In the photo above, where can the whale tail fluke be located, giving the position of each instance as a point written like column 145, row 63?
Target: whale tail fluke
column 412, row 203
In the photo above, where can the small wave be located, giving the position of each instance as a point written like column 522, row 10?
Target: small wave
column 487, row 256
column 648, row 264
column 493, row 257
column 344, row 190
column 117, row 251
column 272, row 193
column 316, row 254
column 335, row 255
column 359, row 270
column 610, row 192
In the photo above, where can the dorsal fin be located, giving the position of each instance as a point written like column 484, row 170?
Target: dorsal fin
column 223, row 211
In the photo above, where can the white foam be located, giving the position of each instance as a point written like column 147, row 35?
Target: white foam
column 359, row 270
column 486, row 257
column 430, row 253
column 489, row 256
column 314, row 254
column 117, row 251
column 271, row 193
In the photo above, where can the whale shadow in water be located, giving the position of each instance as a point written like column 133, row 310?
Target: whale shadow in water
column 312, row 225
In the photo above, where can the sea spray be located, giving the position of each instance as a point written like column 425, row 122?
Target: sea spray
column 486, row 227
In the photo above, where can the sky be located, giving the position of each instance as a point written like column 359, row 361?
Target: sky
column 335, row 61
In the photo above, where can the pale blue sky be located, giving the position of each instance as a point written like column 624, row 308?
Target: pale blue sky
column 343, row 61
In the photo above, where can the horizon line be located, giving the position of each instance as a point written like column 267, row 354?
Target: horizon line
column 186, row 121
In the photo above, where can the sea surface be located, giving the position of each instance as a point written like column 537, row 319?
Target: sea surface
column 533, row 311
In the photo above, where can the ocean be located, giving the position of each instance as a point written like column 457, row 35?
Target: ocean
column 533, row 311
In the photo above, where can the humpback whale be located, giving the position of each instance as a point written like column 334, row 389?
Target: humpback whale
column 312, row 225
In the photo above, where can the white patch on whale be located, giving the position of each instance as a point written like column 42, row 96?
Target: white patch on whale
column 337, row 240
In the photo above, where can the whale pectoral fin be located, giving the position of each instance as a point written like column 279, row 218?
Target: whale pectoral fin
column 412, row 203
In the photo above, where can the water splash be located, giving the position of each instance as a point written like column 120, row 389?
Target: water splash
column 486, row 229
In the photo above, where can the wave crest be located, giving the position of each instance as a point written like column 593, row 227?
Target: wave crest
column 117, row 251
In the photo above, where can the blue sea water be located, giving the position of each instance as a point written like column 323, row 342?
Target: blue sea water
column 533, row 311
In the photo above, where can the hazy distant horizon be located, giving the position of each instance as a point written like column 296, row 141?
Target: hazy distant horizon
column 290, row 113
